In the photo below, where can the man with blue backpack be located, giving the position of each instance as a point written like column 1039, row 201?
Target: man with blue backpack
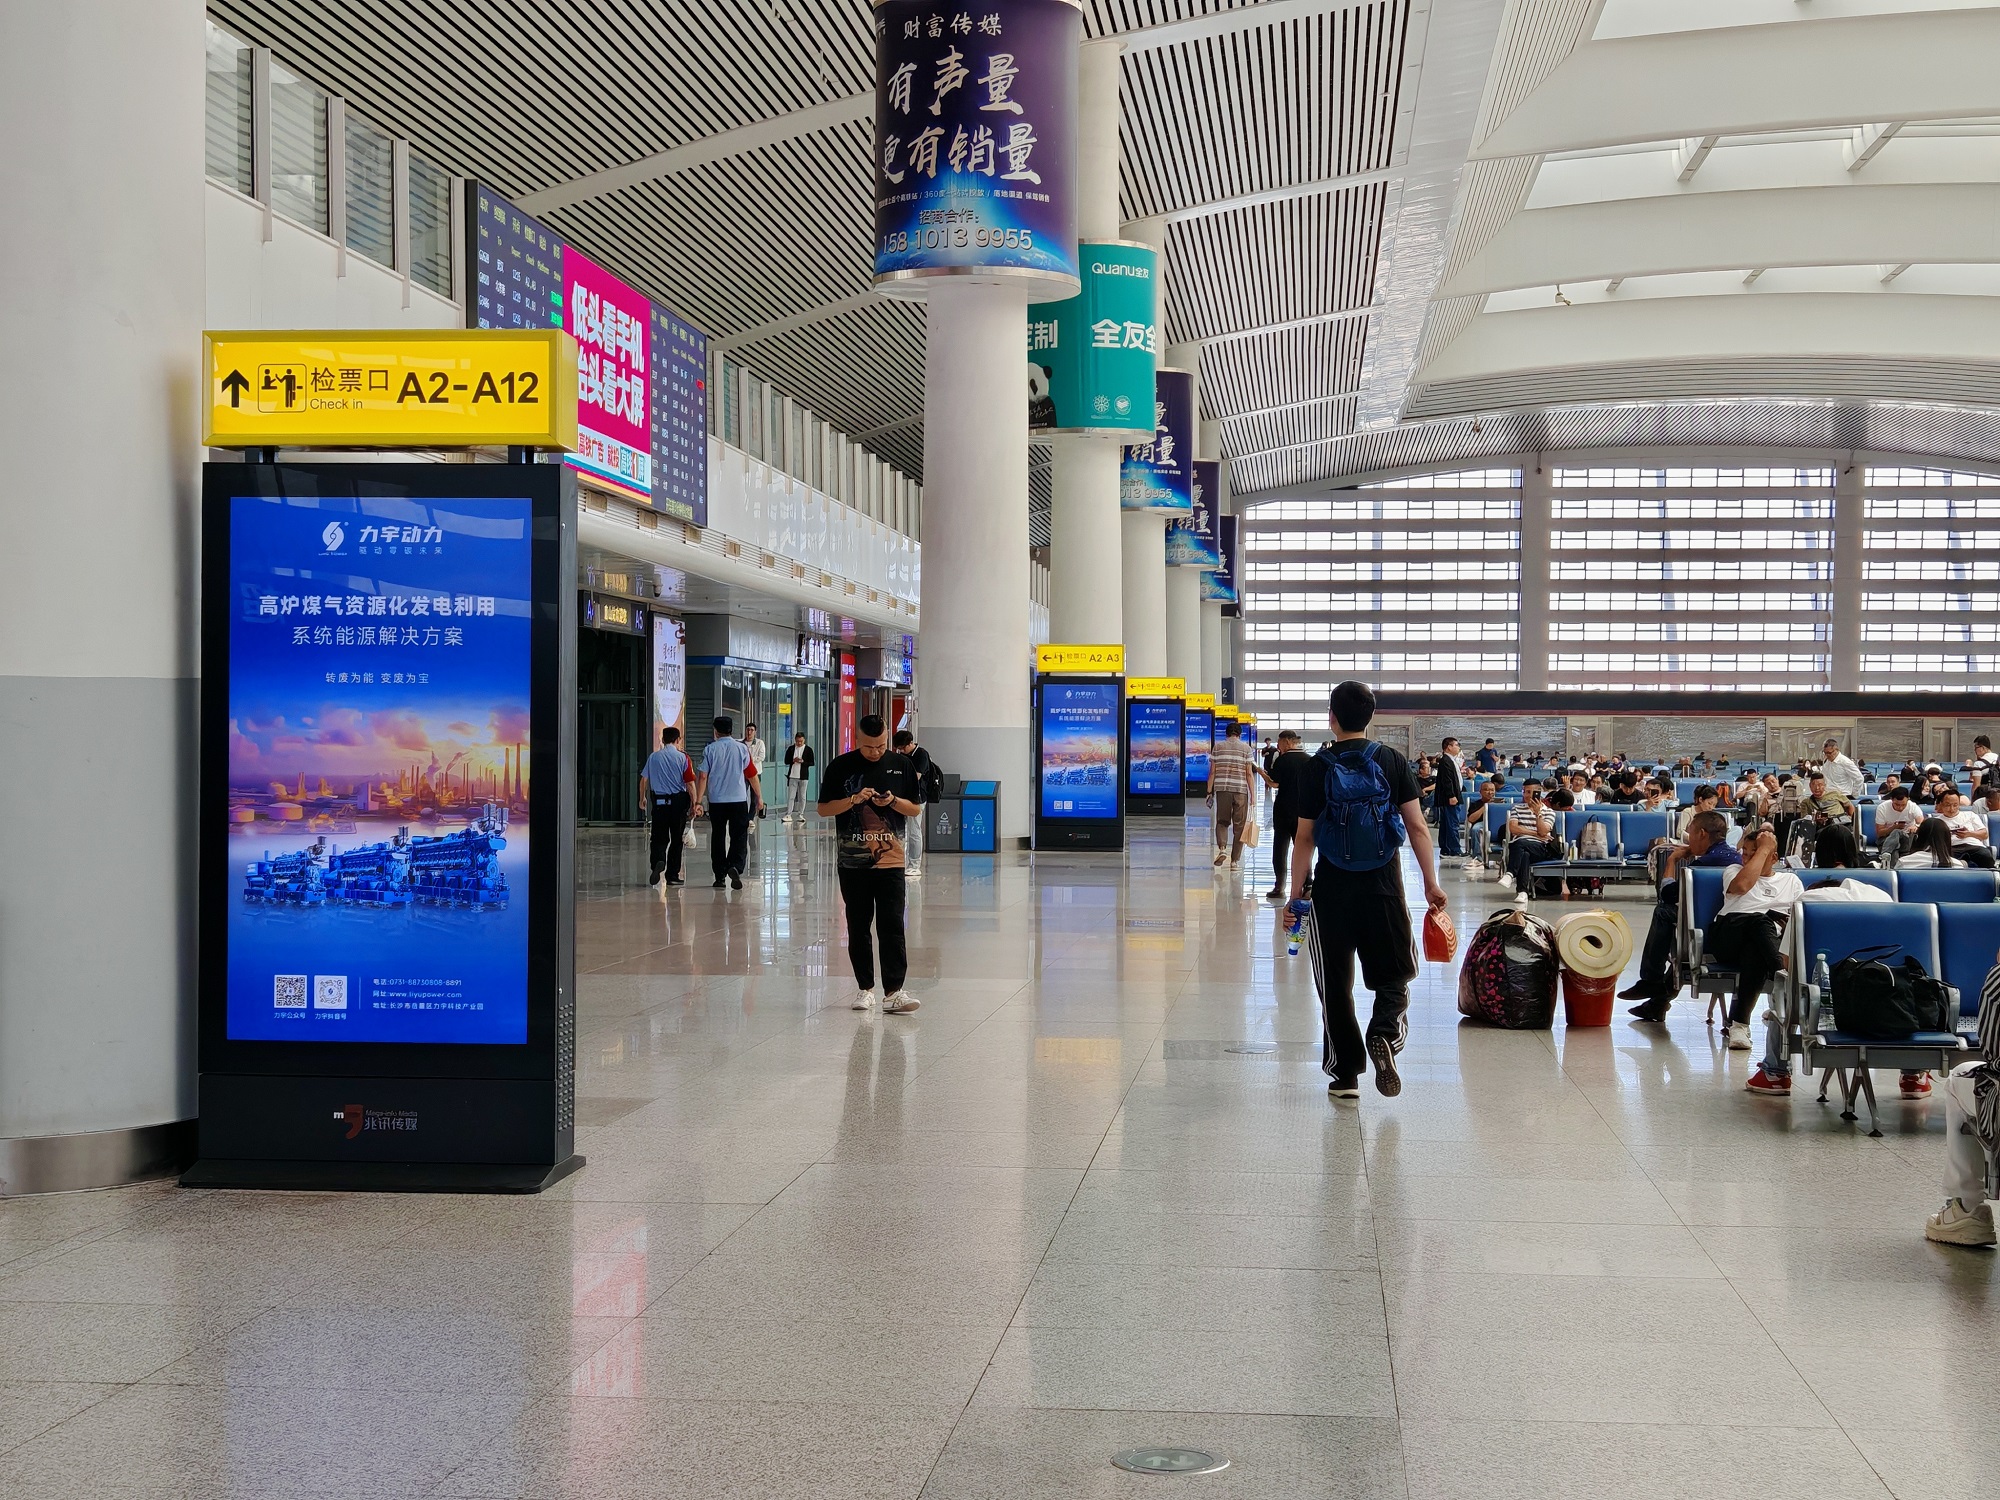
column 1355, row 817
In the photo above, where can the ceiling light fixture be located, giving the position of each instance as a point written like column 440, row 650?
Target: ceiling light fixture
column 1561, row 300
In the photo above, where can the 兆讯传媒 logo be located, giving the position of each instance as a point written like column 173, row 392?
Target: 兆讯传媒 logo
column 334, row 536
column 351, row 1116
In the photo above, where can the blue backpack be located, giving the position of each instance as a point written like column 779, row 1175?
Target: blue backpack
column 1360, row 828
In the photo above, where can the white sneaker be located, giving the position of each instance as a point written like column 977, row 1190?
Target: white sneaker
column 1739, row 1036
column 865, row 1000
column 1235, row 864
column 1955, row 1224
column 915, row 872
column 1220, row 858
column 1506, row 880
column 901, row 1003
column 1520, row 898
column 1471, row 865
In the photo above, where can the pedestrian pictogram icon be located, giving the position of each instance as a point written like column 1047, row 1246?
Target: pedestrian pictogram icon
column 279, row 387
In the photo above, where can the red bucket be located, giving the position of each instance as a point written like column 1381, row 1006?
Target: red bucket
column 1588, row 1002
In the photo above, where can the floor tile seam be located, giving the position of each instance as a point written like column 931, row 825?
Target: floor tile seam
column 44, row 1254
column 925, row 1068
column 116, row 1388
column 1040, row 1261
column 703, row 1258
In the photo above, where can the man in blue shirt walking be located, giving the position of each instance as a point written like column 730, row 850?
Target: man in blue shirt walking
column 724, row 783
column 663, row 788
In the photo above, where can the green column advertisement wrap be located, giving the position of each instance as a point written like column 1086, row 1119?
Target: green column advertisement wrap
column 1091, row 358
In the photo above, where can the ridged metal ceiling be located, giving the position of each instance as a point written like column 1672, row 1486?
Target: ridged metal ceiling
column 528, row 95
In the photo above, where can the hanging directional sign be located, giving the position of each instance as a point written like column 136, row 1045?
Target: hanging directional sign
column 442, row 388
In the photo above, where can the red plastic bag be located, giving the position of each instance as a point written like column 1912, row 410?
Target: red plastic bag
column 1440, row 937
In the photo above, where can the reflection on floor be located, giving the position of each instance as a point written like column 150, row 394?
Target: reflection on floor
column 1092, row 1196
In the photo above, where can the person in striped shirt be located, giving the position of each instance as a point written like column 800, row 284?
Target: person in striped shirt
column 1231, row 768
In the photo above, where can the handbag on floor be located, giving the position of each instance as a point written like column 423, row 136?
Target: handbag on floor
column 1509, row 975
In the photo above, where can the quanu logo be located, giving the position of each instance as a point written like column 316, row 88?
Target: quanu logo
column 335, row 536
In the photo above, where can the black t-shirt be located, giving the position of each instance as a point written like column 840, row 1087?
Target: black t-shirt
column 1312, row 802
column 1291, row 770
column 868, row 837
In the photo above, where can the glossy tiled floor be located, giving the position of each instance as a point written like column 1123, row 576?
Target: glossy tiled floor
column 1092, row 1196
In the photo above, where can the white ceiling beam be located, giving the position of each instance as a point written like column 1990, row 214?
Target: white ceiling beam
column 1867, row 141
column 1904, row 333
column 1748, row 80
column 738, row 142
column 1690, row 154
column 825, row 312
column 1856, row 224
column 857, row 108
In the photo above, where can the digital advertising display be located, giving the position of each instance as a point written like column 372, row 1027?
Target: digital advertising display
column 1159, row 474
column 380, row 774
column 386, row 834
column 1200, row 736
column 1091, row 358
column 642, row 372
column 1153, row 759
column 975, row 141
column 1079, row 741
column 1218, row 586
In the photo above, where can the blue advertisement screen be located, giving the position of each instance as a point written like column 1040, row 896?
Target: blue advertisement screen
column 379, row 677
column 1153, row 767
column 1200, row 740
column 1080, row 750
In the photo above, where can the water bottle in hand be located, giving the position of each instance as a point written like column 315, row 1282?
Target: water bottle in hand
column 1297, row 914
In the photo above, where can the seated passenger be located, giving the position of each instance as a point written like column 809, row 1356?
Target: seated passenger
column 1756, row 905
column 1531, row 838
column 1579, row 790
column 1930, row 848
column 1971, row 1130
column 1705, row 800
column 1970, row 839
column 1478, row 834
column 1897, row 820
column 1705, row 842
column 1836, row 849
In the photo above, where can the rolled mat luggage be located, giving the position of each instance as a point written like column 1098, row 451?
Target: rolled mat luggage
column 1594, row 947
column 1508, row 977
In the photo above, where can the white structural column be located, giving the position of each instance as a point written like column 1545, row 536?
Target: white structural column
column 104, row 189
column 1850, row 502
column 975, row 637
column 1537, row 488
column 1086, row 594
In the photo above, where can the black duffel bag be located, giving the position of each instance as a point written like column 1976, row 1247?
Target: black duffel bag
column 1872, row 999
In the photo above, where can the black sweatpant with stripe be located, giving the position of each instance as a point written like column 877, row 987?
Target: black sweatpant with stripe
column 1360, row 916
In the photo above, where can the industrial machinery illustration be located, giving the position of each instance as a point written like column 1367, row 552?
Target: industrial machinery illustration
column 454, row 869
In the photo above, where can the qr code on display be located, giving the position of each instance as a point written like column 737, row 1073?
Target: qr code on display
column 329, row 992
column 288, row 991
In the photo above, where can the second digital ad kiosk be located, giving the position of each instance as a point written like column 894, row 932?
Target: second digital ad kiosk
column 1198, row 740
column 1154, row 752
column 1079, row 712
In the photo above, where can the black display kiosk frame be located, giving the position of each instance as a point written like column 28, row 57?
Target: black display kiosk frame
column 398, row 1116
column 1071, row 832
column 1190, row 713
column 1150, row 804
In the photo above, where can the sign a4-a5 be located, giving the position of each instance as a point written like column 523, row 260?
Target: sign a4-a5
column 442, row 388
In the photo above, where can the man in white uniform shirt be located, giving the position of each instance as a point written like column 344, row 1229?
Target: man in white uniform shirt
column 1756, row 904
column 1842, row 775
column 1970, row 839
column 1896, row 822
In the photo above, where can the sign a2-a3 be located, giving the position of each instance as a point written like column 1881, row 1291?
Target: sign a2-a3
column 436, row 389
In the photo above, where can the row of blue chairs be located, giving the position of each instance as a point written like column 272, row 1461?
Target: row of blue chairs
column 1949, row 920
column 1632, row 831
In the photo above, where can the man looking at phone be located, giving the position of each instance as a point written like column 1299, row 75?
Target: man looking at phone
column 871, row 794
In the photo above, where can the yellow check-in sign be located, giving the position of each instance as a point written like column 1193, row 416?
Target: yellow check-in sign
column 444, row 388
column 1156, row 687
column 1080, row 659
column 1201, row 700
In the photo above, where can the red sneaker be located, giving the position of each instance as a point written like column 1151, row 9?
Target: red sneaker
column 1916, row 1085
column 1769, row 1083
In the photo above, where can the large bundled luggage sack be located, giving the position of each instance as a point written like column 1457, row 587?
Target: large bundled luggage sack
column 1509, row 974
